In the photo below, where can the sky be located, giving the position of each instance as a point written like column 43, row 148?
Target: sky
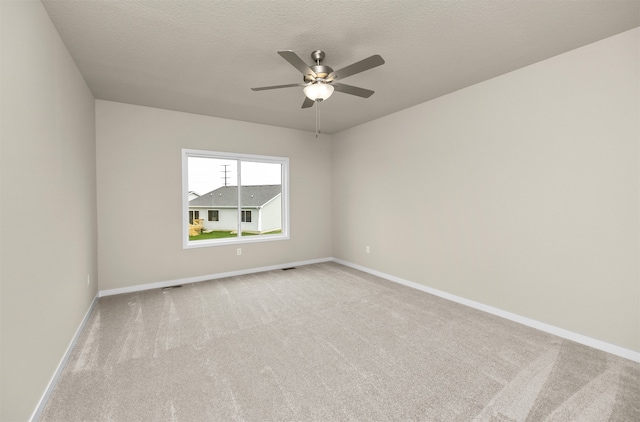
column 207, row 174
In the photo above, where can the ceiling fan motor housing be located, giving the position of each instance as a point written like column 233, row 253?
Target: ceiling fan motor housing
column 321, row 71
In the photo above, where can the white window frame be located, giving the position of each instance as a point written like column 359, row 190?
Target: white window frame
column 283, row 161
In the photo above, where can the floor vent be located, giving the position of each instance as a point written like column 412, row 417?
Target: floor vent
column 288, row 268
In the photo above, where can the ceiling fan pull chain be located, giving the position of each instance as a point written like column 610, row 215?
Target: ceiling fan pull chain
column 317, row 118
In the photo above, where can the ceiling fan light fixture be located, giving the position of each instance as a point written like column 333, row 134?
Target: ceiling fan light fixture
column 318, row 91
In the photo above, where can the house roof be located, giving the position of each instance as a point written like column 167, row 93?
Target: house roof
column 227, row 196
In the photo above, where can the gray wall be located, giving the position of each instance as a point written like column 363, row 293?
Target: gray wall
column 521, row 192
column 139, row 194
column 48, row 208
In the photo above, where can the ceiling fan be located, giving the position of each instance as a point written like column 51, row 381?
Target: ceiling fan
column 320, row 80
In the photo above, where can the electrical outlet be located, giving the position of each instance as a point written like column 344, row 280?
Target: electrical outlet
column 367, row 249
column 239, row 251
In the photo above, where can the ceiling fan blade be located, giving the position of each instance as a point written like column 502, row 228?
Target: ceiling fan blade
column 297, row 62
column 353, row 90
column 307, row 102
column 357, row 67
column 263, row 88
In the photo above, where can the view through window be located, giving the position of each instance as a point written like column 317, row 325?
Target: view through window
column 232, row 198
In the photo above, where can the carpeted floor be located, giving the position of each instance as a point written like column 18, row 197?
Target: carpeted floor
column 325, row 342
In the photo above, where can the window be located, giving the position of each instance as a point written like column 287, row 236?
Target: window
column 245, row 198
column 246, row 216
column 193, row 215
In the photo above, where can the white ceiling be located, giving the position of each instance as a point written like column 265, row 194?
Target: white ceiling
column 204, row 56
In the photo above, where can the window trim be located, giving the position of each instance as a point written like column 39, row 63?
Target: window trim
column 283, row 161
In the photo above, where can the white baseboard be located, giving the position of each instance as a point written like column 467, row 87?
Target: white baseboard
column 63, row 362
column 197, row 279
column 560, row 332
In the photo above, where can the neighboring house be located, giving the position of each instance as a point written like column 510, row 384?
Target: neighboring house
column 193, row 195
column 261, row 209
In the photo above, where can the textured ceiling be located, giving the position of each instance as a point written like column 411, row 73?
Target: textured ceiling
column 204, row 56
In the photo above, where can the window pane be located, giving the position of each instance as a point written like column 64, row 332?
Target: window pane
column 261, row 198
column 212, row 182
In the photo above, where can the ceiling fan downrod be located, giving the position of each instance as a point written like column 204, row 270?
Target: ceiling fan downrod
column 317, row 56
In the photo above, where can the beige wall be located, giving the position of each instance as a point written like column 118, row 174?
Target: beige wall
column 48, row 204
column 140, row 188
column 521, row 192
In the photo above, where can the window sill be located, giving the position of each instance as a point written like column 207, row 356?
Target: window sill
column 233, row 241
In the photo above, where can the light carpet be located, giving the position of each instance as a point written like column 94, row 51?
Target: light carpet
column 325, row 342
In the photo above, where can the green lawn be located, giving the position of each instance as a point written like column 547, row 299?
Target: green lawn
column 219, row 235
